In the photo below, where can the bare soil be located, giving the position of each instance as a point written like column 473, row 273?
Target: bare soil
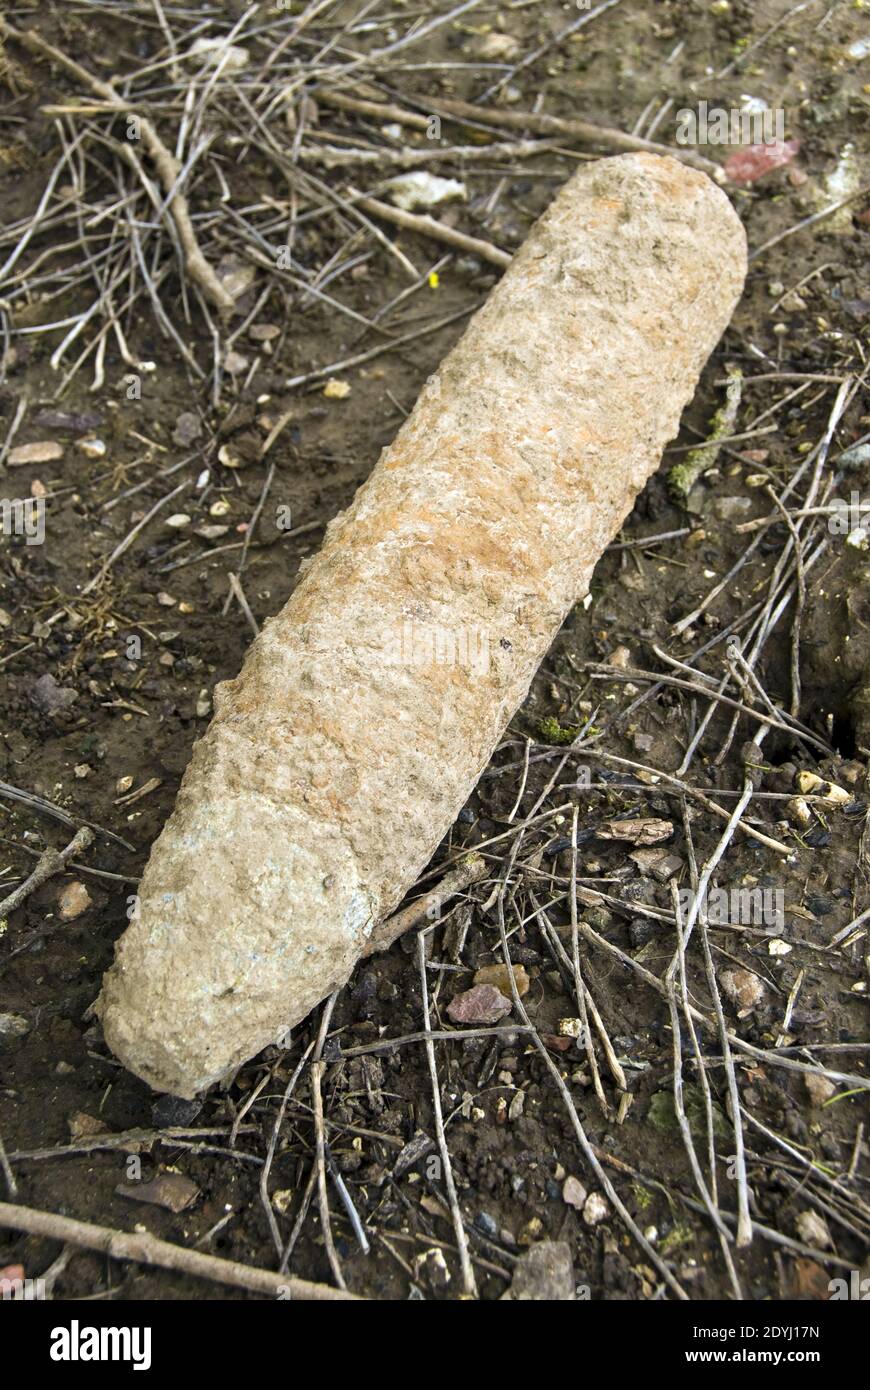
column 136, row 719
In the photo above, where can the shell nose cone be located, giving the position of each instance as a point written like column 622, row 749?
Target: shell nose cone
column 151, row 1057
column 246, row 919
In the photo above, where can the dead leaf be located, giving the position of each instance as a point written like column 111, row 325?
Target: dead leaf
column 173, row 1191
column 647, row 831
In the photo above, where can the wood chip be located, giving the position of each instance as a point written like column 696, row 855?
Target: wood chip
column 46, row 451
column 170, row 1190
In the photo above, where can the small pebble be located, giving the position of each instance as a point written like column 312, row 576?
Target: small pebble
column 743, row 988
column 48, row 696
column 188, row 427
column 596, row 1209
column 229, row 458
column 732, row 508
column 641, row 930
column 531, row 1231
column 570, row 1027
column 812, row 1230
column 545, row 1273
column 72, row 900
column 574, row 1194
column 92, row 448
column 481, row 1005
column 432, row 1265
column 485, row 1223
column 499, row 975
column 81, row 1125
column 819, row 1088
column 171, row 1112
column 496, row 47
column 13, row 1026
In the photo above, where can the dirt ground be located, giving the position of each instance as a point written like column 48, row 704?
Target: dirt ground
column 109, row 656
